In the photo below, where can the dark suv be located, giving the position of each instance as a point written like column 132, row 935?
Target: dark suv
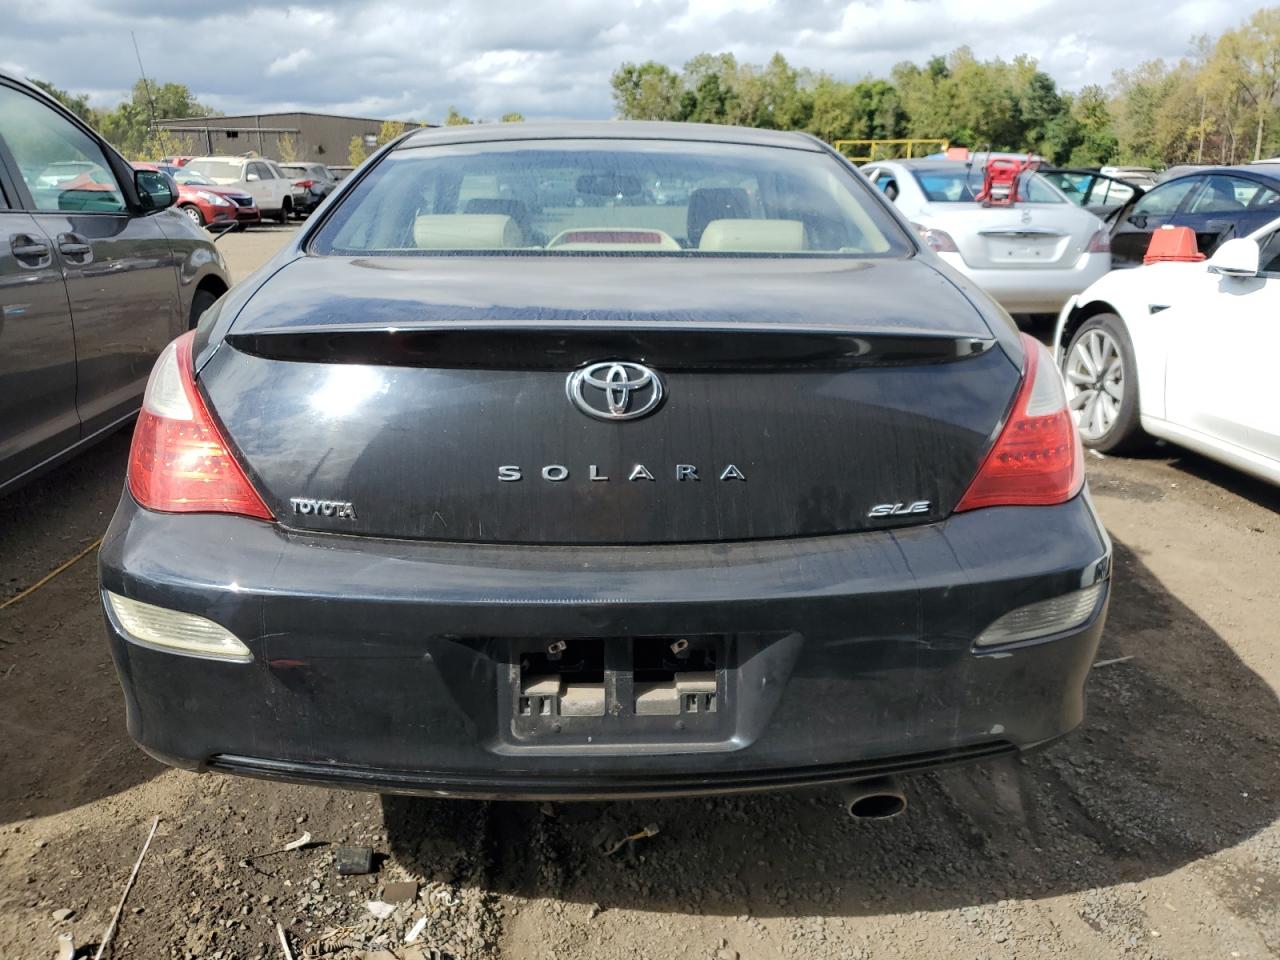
column 97, row 273
column 312, row 182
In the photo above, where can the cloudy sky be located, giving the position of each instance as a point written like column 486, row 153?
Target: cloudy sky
column 412, row 60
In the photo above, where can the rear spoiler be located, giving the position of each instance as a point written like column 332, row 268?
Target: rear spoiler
column 504, row 346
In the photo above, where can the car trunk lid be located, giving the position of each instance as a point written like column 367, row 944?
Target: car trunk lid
column 395, row 399
column 1018, row 237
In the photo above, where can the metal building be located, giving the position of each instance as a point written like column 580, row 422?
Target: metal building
column 318, row 137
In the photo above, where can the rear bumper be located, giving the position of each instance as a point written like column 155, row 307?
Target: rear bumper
column 381, row 664
column 1035, row 290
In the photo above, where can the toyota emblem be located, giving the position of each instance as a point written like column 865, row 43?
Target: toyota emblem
column 615, row 390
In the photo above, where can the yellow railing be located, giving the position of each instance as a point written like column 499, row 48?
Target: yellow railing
column 890, row 149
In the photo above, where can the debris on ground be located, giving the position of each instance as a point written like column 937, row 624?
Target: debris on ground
column 353, row 861
column 284, row 942
column 62, row 914
column 66, row 947
column 416, row 930
column 115, row 917
column 298, row 844
column 1108, row 663
column 400, row 891
column 380, row 909
column 650, row 830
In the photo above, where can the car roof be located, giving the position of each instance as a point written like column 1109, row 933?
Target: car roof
column 1266, row 171
column 608, row 129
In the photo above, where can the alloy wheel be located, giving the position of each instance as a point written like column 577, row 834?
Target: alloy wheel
column 1095, row 383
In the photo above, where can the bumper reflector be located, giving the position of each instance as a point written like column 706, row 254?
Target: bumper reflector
column 1044, row 617
column 174, row 631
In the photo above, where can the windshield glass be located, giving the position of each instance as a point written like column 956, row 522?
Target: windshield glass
column 217, row 169
column 656, row 198
column 187, row 177
column 962, row 185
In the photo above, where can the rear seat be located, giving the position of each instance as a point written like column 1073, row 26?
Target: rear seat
column 466, row 231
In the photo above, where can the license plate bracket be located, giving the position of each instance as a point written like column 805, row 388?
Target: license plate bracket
column 632, row 691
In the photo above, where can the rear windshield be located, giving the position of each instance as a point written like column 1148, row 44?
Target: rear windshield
column 962, row 186
column 626, row 197
column 218, row 169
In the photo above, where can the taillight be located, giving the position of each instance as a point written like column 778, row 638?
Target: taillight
column 1100, row 242
column 179, row 462
column 939, row 241
column 304, row 184
column 1037, row 459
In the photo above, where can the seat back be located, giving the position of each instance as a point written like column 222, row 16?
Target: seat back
column 466, row 231
column 753, row 236
column 714, row 203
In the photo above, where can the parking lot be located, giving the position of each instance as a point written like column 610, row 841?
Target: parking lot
column 1151, row 832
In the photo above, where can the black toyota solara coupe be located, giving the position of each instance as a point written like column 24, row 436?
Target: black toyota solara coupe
column 506, row 479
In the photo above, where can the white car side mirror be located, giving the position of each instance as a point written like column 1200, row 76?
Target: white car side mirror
column 1236, row 258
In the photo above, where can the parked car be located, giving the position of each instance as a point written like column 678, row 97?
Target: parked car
column 1218, row 203
column 1179, row 170
column 734, row 494
column 1143, row 177
column 1182, row 351
column 1030, row 256
column 206, row 203
column 97, row 274
column 177, row 161
column 339, row 172
column 312, row 182
column 1091, row 189
column 262, row 179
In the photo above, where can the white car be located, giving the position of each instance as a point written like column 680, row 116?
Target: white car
column 1181, row 351
column 261, row 178
column 1031, row 256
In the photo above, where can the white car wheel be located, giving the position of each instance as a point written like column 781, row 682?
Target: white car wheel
column 1102, row 388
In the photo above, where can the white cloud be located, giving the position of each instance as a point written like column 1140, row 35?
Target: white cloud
column 290, row 63
column 553, row 58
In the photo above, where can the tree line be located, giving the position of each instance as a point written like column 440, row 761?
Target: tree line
column 1217, row 105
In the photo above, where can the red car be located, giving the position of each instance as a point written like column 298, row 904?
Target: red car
column 205, row 202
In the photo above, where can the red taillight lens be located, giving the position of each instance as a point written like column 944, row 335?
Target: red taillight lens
column 1100, row 242
column 1037, row 459
column 179, row 462
column 305, row 184
column 939, row 241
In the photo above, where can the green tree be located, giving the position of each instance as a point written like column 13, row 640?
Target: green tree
column 1097, row 143
column 1253, row 53
column 455, row 119
column 647, row 91
column 513, row 117
column 287, row 148
column 77, row 103
column 389, row 130
column 129, row 127
column 356, row 152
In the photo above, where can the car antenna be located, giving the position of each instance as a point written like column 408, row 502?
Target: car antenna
column 146, row 84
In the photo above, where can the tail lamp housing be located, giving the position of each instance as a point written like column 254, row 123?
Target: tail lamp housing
column 939, row 241
column 1037, row 459
column 179, row 461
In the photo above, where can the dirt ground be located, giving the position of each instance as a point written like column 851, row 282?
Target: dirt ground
column 1151, row 832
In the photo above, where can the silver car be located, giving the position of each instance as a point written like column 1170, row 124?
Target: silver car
column 1030, row 256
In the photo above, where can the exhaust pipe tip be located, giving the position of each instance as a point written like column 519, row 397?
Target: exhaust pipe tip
column 880, row 799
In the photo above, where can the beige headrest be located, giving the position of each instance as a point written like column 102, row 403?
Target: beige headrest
column 466, row 231
column 753, row 236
